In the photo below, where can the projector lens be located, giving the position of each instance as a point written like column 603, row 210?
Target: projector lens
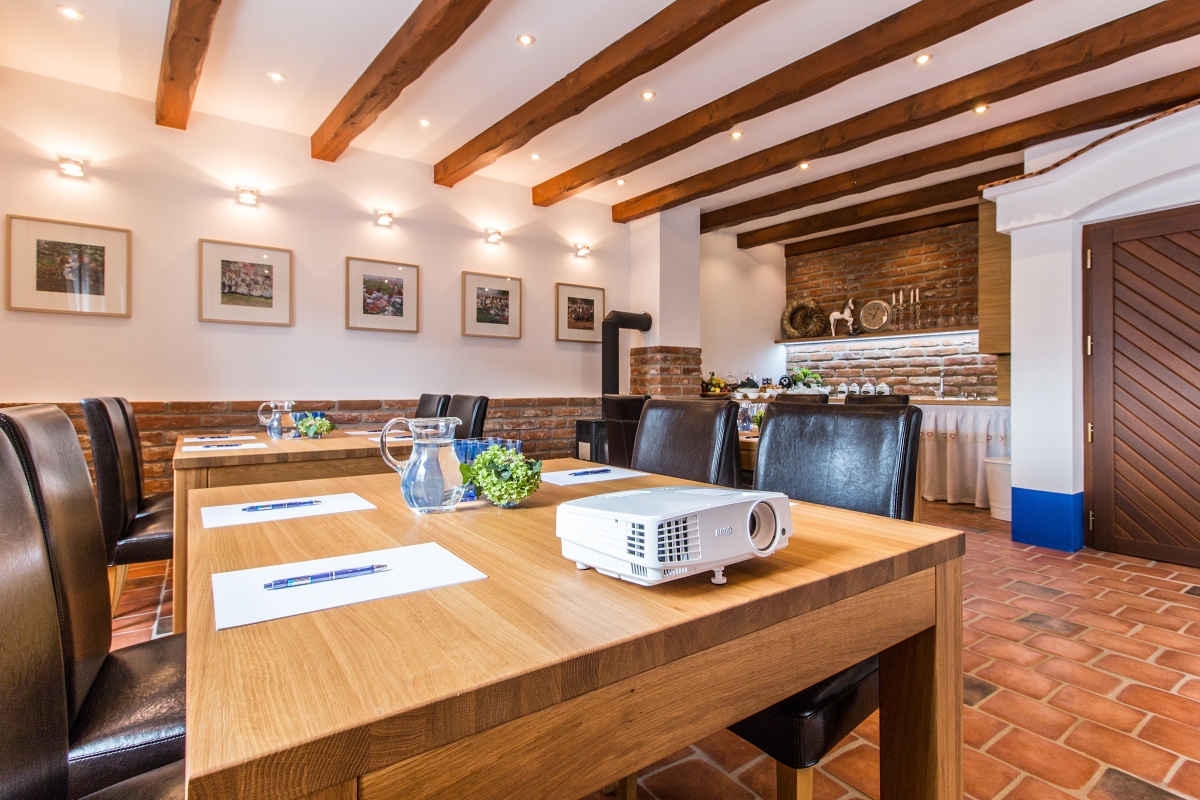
column 762, row 527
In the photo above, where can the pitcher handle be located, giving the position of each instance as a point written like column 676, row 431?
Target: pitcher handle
column 383, row 445
column 263, row 419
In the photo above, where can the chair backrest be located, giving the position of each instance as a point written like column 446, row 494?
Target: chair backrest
column 135, row 440
column 472, row 410
column 861, row 458
column 816, row 399
column 33, row 698
column 49, row 451
column 877, row 399
column 621, row 415
column 432, row 405
column 695, row 440
column 114, row 458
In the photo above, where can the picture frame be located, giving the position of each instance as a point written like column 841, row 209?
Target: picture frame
column 68, row 267
column 382, row 296
column 491, row 306
column 579, row 310
column 246, row 284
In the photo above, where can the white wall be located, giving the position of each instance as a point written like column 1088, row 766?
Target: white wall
column 742, row 295
column 173, row 188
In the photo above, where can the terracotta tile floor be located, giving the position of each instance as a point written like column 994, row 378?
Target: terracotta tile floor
column 1082, row 680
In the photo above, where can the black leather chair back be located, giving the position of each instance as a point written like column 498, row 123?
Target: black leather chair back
column 472, row 410
column 33, row 698
column 877, row 399
column 49, row 451
column 114, row 457
column 812, row 399
column 691, row 439
column 432, row 405
column 621, row 415
column 862, row 458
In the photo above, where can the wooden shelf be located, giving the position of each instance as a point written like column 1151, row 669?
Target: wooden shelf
column 879, row 335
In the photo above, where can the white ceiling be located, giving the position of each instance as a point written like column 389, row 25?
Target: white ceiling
column 324, row 46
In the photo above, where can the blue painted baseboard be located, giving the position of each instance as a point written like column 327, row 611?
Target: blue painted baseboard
column 1047, row 519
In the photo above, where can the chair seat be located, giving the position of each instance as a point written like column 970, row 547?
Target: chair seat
column 159, row 501
column 800, row 730
column 148, row 538
column 164, row 783
column 133, row 718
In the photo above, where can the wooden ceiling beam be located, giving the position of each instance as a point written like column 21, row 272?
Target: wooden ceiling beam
column 648, row 46
column 1165, row 22
column 1098, row 112
column 189, row 30
column 874, row 233
column 894, row 205
column 902, row 34
column 432, row 28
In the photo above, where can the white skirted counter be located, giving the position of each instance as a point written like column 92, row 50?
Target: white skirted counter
column 955, row 439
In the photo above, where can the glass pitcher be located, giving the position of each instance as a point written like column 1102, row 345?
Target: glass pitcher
column 280, row 423
column 429, row 480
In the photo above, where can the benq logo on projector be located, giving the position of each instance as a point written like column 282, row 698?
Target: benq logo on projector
column 726, row 531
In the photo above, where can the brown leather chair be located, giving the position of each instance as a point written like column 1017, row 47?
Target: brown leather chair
column 472, row 410
column 432, row 405
column 876, row 399
column 695, row 440
column 125, row 709
column 621, row 415
column 136, row 528
column 860, row 458
column 811, row 399
column 33, row 694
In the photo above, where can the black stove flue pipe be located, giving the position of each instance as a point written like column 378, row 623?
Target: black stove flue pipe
column 610, row 380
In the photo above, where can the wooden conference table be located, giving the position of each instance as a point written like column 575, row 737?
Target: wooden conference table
column 545, row 681
column 336, row 455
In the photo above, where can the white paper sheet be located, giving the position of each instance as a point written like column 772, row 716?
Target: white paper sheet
column 367, row 433
column 566, row 479
column 240, row 599
column 225, row 516
column 392, row 438
column 219, row 439
column 204, row 448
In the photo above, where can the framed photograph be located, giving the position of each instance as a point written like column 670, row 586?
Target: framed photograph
column 491, row 306
column 245, row 283
column 580, row 310
column 68, row 268
column 382, row 296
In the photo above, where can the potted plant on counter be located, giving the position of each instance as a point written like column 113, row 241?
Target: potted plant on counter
column 314, row 426
column 505, row 476
column 807, row 381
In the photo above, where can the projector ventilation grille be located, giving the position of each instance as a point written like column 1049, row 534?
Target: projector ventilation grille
column 635, row 540
column 678, row 540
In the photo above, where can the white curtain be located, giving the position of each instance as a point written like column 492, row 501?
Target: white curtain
column 954, row 442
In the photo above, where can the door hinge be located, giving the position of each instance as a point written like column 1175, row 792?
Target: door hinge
column 1089, row 432
column 1089, row 344
column 1091, row 519
column 1089, row 258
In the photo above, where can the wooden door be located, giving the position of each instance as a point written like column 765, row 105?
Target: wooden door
column 1142, row 385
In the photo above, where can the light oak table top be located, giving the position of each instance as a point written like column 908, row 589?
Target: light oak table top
column 547, row 681
column 335, row 445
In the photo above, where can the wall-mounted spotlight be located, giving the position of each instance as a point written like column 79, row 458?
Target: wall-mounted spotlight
column 492, row 236
column 70, row 166
column 582, row 250
column 384, row 217
column 247, row 196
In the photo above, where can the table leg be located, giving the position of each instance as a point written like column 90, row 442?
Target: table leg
column 920, row 699
column 185, row 481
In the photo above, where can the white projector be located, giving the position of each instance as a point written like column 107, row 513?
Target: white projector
column 650, row 536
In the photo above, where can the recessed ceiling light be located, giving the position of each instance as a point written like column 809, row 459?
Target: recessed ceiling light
column 924, row 58
column 621, row 182
column 735, row 135
column 647, row 95
column 535, row 156
column 803, row 165
column 525, row 40
column 982, row 107
column 278, row 77
column 424, row 123
column 70, row 13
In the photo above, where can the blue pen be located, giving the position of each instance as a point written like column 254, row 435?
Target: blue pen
column 277, row 506
column 322, row 577
column 211, row 446
column 211, row 437
column 589, row 472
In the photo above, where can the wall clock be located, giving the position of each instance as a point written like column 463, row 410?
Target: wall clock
column 875, row 315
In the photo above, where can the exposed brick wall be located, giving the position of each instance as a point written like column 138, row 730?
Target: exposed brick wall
column 942, row 262
column 664, row 371
column 546, row 425
column 907, row 365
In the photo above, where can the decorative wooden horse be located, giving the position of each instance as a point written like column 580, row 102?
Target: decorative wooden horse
column 847, row 314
